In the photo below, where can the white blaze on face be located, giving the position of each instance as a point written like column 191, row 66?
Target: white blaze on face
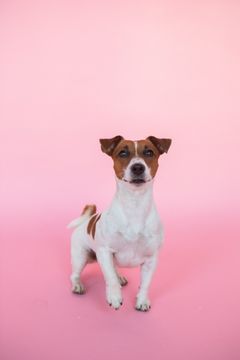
column 128, row 176
column 135, row 144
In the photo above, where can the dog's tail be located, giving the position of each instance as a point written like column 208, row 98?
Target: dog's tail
column 88, row 211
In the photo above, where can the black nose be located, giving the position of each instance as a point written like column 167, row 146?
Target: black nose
column 137, row 169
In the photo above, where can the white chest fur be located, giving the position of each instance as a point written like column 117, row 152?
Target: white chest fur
column 131, row 226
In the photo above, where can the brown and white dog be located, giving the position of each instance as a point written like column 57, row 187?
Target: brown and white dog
column 129, row 233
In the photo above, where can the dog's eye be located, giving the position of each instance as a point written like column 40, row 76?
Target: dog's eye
column 123, row 153
column 148, row 153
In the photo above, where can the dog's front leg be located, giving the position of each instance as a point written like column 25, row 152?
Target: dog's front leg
column 113, row 288
column 147, row 270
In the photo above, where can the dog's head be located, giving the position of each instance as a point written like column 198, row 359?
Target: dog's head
column 135, row 162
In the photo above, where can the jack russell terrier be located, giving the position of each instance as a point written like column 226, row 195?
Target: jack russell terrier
column 129, row 233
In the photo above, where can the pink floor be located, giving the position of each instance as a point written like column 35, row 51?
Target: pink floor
column 72, row 72
column 195, row 297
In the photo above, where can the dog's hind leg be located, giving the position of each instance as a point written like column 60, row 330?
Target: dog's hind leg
column 122, row 280
column 79, row 254
column 79, row 259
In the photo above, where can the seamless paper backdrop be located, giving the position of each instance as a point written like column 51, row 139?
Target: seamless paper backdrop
column 73, row 72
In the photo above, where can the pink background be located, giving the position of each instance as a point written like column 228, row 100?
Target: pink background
column 75, row 71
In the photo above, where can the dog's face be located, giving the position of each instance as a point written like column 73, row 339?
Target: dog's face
column 135, row 162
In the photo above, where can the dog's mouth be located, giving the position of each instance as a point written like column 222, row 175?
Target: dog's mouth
column 137, row 181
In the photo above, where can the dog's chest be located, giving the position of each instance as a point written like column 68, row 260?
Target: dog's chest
column 132, row 231
column 132, row 242
column 133, row 253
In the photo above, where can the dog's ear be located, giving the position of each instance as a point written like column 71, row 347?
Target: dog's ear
column 161, row 144
column 108, row 145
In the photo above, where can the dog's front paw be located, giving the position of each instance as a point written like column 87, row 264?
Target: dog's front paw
column 114, row 297
column 143, row 304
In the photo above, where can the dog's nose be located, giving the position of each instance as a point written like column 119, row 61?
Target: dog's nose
column 138, row 169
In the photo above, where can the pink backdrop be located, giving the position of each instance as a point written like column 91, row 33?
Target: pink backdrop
column 72, row 72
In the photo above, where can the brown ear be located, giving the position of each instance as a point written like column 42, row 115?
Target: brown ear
column 161, row 144
column 108, row 145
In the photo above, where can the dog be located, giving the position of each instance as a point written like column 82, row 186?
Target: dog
column 129, row 233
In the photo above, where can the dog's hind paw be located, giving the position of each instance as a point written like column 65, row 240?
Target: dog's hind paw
column 122, row 280
column 78, row 289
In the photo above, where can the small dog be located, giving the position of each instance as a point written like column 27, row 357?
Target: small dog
column 129, row 233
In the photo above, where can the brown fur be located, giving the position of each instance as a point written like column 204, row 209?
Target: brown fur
column 91, row 228
column 120, row 164
column 91, row 208
column 91, row 256
column 162, row 145
column 152, row 162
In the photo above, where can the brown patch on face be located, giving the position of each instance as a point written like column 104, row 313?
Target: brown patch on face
column 144, row 149
column 121, row 162
column 108, row 145
column 123, row 151
column 91, row 228
column 162, row 144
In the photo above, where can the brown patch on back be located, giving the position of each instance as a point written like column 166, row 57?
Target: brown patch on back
column 91, row 209
column 91, row 228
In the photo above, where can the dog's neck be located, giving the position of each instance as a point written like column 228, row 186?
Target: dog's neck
column 134, row 199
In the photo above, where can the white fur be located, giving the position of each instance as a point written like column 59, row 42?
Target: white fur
column 136, row 146
column 128, row 234
column 80, row 220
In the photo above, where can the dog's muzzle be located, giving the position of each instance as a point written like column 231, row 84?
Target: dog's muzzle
column 137, row 173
